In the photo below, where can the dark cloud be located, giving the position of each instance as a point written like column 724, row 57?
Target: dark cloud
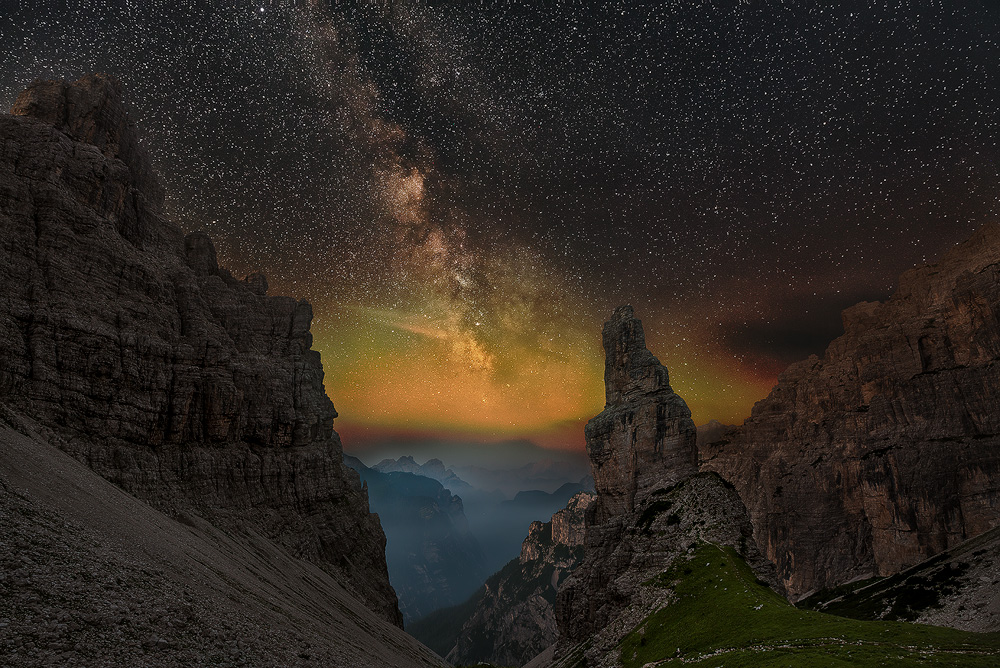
column 799, row 330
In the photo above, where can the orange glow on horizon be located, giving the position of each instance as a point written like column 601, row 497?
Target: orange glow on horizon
column 409, row 378
column 425, row 379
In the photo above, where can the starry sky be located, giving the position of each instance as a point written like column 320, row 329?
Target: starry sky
column 465, row 192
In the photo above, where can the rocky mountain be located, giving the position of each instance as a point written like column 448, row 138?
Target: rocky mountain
column 432, row 468
column 958, row 588
column 672, row 575
column 652, row 506
column 512, row 617
column 434, row 561
column 92, row 576
column 885, row 451
column 123, row 342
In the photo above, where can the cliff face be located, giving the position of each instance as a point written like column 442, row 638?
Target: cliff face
column 181, row 384
column 652, row 506
column 512, row 617
column 644, row 436
column 887, row 450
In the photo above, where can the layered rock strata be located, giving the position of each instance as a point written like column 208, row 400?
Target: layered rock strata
column 886, row 450
column 652, row 506
column 182, row 385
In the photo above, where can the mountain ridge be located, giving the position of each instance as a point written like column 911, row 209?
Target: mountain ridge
column 892, row 436
column 125, row 344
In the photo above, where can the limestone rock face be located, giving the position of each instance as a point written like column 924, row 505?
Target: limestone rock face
column 567, row 528
column 569, row 524
column 90, row 111
column 512, row 617
column 644, row 437
column 652, row 506
column 887, row 450
column 166, row 375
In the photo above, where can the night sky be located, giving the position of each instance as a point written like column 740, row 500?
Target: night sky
column 466, row 193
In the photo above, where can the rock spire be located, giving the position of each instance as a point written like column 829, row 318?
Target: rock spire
column 644, row 437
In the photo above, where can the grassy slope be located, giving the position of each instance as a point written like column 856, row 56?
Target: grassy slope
column 724, row 617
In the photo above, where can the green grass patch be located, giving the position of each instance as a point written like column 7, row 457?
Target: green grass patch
column 722, row 616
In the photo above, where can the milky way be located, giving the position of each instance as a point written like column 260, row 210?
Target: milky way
column 464, row 194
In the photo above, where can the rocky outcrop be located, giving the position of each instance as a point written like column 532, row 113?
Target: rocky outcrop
column 512, row 618
column 90, row 111
column 609, row 593
column 184, row 386
column 887, row 450
column 434, row 561
column 644, row 437
column 652, row 507
column 959, row 588
column 569, row 524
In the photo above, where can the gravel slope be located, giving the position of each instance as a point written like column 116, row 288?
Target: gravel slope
column 89, row 575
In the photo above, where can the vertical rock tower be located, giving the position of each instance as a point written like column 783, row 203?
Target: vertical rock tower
column 644, row 438
column 652, row 503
